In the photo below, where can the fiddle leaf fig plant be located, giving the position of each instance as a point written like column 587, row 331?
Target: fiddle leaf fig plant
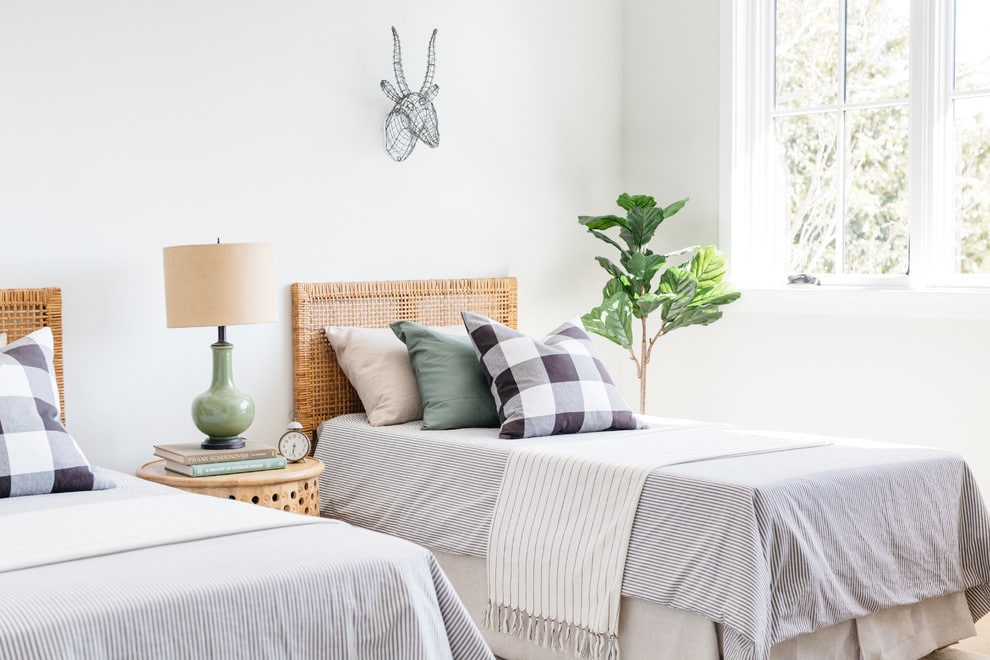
column 686, row 287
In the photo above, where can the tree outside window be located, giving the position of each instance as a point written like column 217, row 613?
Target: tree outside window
column 845, row 127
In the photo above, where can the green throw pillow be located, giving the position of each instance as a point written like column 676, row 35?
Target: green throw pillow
column 453, row 387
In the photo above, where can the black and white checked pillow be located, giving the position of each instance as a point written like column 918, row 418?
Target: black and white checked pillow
column 558, row 385
column 37, row 454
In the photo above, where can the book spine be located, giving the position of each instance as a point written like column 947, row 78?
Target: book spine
column 219, row 457
column 231, row 467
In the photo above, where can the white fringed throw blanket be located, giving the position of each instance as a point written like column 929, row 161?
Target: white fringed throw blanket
column 561, row 526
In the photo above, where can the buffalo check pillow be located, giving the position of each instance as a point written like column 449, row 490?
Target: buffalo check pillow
column 557, row 385
column 37, row 454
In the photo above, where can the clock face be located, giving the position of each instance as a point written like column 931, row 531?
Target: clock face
column 293, row 445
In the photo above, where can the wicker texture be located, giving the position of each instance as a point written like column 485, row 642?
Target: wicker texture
column 294, row 488
column 22, row 311
column 322, row 391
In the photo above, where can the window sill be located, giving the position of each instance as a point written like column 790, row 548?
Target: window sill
column 835, row 300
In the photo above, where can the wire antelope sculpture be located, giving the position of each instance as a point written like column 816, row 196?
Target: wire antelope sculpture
column 413, row 117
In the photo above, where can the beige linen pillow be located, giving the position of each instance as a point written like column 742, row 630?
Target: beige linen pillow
column 376, row 363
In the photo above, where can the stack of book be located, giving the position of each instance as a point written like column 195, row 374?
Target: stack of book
column 193, row 461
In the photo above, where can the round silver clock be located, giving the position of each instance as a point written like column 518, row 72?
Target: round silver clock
column 294, row 444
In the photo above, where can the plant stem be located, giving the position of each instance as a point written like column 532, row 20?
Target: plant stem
column 644, row 359
column 646, row 352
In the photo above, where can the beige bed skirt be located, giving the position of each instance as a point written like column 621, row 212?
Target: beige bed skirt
column 649, row 631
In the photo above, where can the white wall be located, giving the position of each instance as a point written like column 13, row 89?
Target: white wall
column 129, row 126
column 909, row 367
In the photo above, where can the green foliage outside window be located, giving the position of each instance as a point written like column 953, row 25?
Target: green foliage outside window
column 844, row 172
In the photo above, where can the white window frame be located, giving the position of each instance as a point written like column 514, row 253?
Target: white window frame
column 756, row 239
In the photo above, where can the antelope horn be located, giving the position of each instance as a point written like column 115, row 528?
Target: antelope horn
column 431, row 64
column 397, row 63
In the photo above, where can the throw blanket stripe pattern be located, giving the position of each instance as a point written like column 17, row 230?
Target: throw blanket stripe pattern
column 561, row 528
column 545, row 605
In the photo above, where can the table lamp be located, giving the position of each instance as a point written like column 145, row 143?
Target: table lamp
column 220, row 284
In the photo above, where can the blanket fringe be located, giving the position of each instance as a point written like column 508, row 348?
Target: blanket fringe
column 551, row 633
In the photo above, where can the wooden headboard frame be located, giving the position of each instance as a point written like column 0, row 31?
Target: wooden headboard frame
column 322, row 391
column 23, row 311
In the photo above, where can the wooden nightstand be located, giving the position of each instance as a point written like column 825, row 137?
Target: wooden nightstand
column 294, row 488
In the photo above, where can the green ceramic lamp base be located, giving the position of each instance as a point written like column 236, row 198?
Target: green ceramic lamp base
column 223, row 412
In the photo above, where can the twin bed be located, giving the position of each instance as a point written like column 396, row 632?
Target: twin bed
column 822, row 549
column 143, row 570
column 816, row 549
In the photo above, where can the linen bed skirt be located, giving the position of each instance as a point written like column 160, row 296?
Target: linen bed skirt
column 650, row 631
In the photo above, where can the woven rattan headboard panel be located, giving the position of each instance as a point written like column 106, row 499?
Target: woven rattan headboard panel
column 25, row 310
column 321, row 389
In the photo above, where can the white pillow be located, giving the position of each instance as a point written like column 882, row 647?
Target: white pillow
column 3, row 338
column 377, row 364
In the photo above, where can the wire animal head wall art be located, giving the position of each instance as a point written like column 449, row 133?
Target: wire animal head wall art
column 413, row 118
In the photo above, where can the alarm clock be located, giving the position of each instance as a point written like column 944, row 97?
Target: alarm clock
column 294, row 444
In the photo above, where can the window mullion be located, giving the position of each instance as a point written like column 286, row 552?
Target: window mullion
column 840, row 147
column 930, row 179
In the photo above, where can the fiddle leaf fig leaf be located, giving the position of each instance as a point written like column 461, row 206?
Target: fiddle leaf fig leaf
column 643, row 222
column 721, row 294
column 612, row 287
column 602, row 221
column 614, row 271
column 612, row 320
column 703, row 315
column 709, row 265
column 629, row 202
column 642, row 267
column 599, row 235
column 680, row 284
column 632, row 233
column 680, row 253
column 649, row 303
column 675, row 207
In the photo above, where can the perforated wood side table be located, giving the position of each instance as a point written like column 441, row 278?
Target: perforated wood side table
column 294, row 488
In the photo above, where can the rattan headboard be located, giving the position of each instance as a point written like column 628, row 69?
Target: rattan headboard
column 23, row 311
column 322, row 391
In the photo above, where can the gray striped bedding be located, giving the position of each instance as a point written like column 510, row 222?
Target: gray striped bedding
column 308, row 591
column 769, row 546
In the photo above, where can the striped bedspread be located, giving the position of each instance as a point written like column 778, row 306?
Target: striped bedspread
column 769, row 546
column 37, row 538
column 299, row 591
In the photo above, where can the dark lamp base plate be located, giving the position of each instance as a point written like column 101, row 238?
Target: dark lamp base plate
column 223, row 443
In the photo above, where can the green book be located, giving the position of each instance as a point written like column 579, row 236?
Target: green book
column 227, row 467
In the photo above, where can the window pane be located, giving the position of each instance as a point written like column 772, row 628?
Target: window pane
column 877, row 49
column 972, row 45
column 806, row 145
column 806, row 53
column 876, row 217
column 973, row 185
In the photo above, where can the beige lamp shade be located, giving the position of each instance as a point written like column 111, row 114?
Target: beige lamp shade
column 219, row 284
